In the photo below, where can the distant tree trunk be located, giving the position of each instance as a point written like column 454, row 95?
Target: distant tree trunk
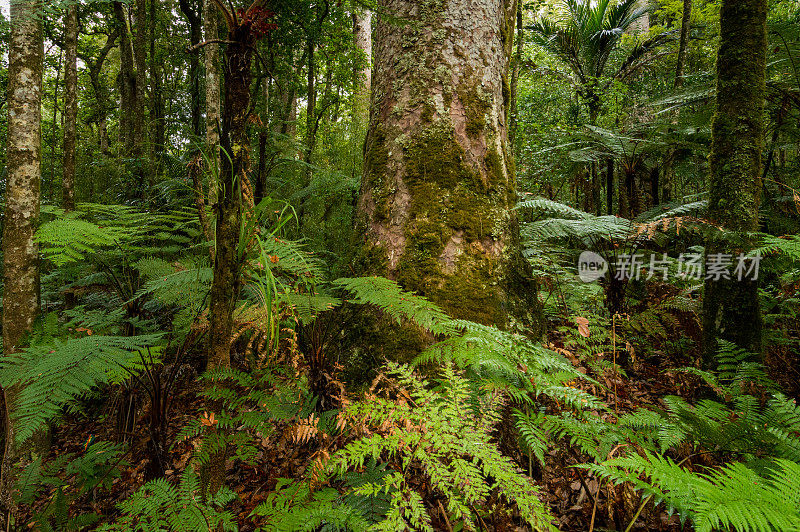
column 157, row 111
column 20, row 252
column 260, row 185
column 610, row 186
column 140, row 60
column 731, row 307
column 70, row 105
column 195, row 36
column 211, row 55
column 53, row 140
column 363, row 41
column 95, row 66
column 311, row 107
column 438, row 188
column 686, row 26
column 128, row 91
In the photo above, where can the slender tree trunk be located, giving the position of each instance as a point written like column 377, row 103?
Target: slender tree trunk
column 70, row 105
column 128, row 82
column 363, row 41
column 610, row 186
column 260, row 185
column 597, row 188
column 211, row 55
column 140, row 61
column 195, row 35
column 438, row 188
column 157, row 111
column 20, row 252
column 54, row 128
column 731, row 307
column 311, row 108
column 686, row 26
column 234, row 170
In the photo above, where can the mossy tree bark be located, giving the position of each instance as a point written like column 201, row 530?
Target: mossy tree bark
column 731, row 307
column 20, row 252
column 234, row 170
column 70, row 105
column 211, row 59
column 437, row 194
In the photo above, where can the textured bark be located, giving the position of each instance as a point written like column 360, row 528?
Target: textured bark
column 211, row 55
column 156, row 84
column 70, row 106
column 363, row 40
column 438, row 186
column 140, row 60
column 128, row 91
column 20, row 273
column 234, row 168
column 686, row 26
column 731, row 308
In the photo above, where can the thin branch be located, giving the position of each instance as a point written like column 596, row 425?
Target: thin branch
column 195, row 47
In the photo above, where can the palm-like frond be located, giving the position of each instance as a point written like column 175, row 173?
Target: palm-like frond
column 585, row 38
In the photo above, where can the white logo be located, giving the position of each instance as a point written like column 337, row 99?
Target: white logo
column 591, row 267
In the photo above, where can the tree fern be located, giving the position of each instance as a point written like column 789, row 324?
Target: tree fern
column 734, row 496
column 51, row 375
column 397, row 303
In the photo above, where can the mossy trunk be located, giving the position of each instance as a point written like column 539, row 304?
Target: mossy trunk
column 70, row 105
column 20, row 252
column 211, row 59
column 731, row 307
column 437, row 194
column 226, row 284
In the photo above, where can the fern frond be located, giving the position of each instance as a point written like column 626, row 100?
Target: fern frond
column 397, row 303
column 50, row 376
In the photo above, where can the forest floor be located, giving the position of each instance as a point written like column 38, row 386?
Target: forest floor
column 573, row 495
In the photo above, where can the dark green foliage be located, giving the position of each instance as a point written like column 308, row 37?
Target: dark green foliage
column 158, row 506
column 50, row 376
column 66, row 479
column 448, row 433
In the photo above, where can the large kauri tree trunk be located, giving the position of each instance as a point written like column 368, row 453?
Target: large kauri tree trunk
column 438, row 185
column 731, row 307
column 20, row 253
